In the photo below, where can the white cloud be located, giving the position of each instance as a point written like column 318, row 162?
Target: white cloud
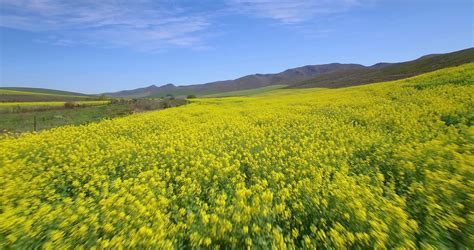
column 142, row 24
column 150, row 25
column 293, row 11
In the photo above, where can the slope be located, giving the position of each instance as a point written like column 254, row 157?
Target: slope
column 387, row 71
column 21, row 94
column 387, row 165
column 243, row 83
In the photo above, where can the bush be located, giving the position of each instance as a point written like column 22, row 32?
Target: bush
column 69, row 105
column 191, row 97
column 103, row 97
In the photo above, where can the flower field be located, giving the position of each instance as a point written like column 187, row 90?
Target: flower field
column 382, row 165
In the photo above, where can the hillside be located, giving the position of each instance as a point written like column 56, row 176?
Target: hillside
column 44, row 91
column 21, row 94
column 387, row 71
column 386, row 165
column 247, row 92
column 333, row 75
column 243, row 83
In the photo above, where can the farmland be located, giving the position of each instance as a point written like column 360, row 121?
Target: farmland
column 18, row 94
column 20, row 117
column 382, row 165
column 30, row 106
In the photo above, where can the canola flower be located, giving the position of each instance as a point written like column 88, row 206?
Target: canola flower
column 379, row 166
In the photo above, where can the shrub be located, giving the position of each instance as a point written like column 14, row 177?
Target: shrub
column 70, row 105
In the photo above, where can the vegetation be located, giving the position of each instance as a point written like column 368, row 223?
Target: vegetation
column 333, row 75
column 377, row 166
column 22, row 117
column 247, row 92
column 7, row 107
column 42, row 91
column 387, row 71
column 17, row 94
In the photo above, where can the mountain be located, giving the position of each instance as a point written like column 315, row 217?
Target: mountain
column 387, row 71
column 243, row 83
column 334, row 75
column 140, row 92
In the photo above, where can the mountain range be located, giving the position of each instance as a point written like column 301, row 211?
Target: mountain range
column 334, row 75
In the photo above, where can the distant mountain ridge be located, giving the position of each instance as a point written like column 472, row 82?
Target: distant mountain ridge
column 332, row 75
column 246, row 82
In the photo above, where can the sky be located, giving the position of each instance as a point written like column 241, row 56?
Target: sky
column 94, row 46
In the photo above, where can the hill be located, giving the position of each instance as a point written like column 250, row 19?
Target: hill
column 382, row 72
column 243, row 83
column 332, row 75
column 44, row 91
column 22, row 94
column 247, row 92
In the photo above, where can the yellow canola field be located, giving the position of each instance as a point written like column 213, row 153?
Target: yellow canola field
column 383, row 165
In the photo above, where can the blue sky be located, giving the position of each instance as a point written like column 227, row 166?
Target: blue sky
column 97, row 46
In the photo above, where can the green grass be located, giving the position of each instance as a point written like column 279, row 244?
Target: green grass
column 390, row 72
column 42, row 91
column 29, row 104
column 15, row 92
column 9, row 107
column 247, row 92
column 22, row 122
column 21, row 119
column 41, row 95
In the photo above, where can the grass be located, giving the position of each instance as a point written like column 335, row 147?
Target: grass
column 390, row 72
column 41, row 95
column 247, row 92
column 28, row 104
column 42, row 91
column 20, row 117
column 22, row 122
column 8, row 107
column 15, row 92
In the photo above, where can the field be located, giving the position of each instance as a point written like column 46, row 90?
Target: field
column 378, row 166
column 41, row 95
column 40, row 91
column 247, row 92
column 51, row 118
column 30, row 116
column 11, row 105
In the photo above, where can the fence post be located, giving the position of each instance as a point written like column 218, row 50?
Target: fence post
column 34, row 122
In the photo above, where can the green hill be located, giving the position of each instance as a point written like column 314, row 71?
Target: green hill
column 43, row 91
column 22, row 94
column 383, row 72
column 247, row 92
